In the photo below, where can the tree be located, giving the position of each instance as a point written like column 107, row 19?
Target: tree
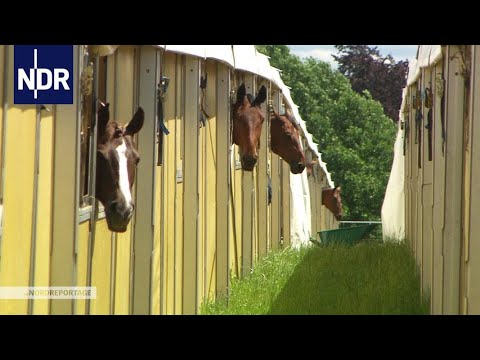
column 354, row 135
column 381, row 76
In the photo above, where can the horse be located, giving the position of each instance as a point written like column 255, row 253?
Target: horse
column 247, row 120
column 333, row 201
column 117, row 158
column 285, row 141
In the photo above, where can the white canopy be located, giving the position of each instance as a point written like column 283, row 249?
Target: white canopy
column 428, row 55
column 393, row 208
column 222, row 53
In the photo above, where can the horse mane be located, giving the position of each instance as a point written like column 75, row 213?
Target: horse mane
column 291, row 119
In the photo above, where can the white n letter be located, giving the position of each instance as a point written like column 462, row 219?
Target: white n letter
column 29, row 80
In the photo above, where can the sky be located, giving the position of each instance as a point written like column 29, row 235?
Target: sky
column 324, row 52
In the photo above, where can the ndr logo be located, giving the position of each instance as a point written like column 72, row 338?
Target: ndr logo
column 43, row 74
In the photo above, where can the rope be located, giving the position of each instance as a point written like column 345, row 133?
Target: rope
column 203, row 115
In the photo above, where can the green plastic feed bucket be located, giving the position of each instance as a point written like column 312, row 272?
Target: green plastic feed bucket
column 347, row 236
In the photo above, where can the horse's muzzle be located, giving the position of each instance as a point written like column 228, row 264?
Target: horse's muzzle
column 297, row 168
column 248, row 162
column 118, row 216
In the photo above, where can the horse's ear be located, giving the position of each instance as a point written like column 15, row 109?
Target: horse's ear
column 103, row 118
column 135, row 125
column 261, row 96
column 241, row 92
column 339, row 189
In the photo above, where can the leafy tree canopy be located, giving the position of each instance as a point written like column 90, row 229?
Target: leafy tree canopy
column 381, row 75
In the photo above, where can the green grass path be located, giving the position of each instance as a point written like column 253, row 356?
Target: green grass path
column 369, row 278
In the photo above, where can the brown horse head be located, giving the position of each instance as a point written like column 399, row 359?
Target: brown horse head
column 285, row 141
column 117, row 159
column 333, row 201
column 247, row 125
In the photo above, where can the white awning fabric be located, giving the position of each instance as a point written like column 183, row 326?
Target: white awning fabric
column 428, row 55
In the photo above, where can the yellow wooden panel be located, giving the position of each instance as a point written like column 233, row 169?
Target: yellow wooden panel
column 246, row 221
column 427, row 165
column 466, row 193
column 124, row 81
column 122, row 272
column 319, row 198
column 269, row 208
column 255, row 216
column 232, row 240
column 313, row 193
column 145, row 185
column 124, row 92
column 419, row 222
column 179, row 249
column 453, row 182
column 262, row 204
column 18, row 199
column 413, row 176
column 313, row 200
column 101, row 269
column 44, row 212
column 124, row 88
column 65, row 196
column 275, row 206
column 473, row 250
column 111, row 89
column 3, row 71
column 82, row 265
column 427, row 236
column 439, row 201
column 211, row 181
column 158, row 256
column 156, row 263
column 286, row 203
column 169, row 182
column 158, row 285
column 190, row 171
column 201, row 226
column 247, row 203
column 236, row 205
column 180, row 137
column 236, row 201
column 223, row 235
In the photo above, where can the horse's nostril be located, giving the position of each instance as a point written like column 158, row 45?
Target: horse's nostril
column 130, row 209
column 113, row 206
column 250, row 160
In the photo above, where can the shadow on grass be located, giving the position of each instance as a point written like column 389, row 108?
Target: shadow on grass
column 369, row 278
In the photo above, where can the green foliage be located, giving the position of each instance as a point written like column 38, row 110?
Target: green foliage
column 369, row 278
column 354, row 136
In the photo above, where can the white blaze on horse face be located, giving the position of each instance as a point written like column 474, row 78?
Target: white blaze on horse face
column 123, row 173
